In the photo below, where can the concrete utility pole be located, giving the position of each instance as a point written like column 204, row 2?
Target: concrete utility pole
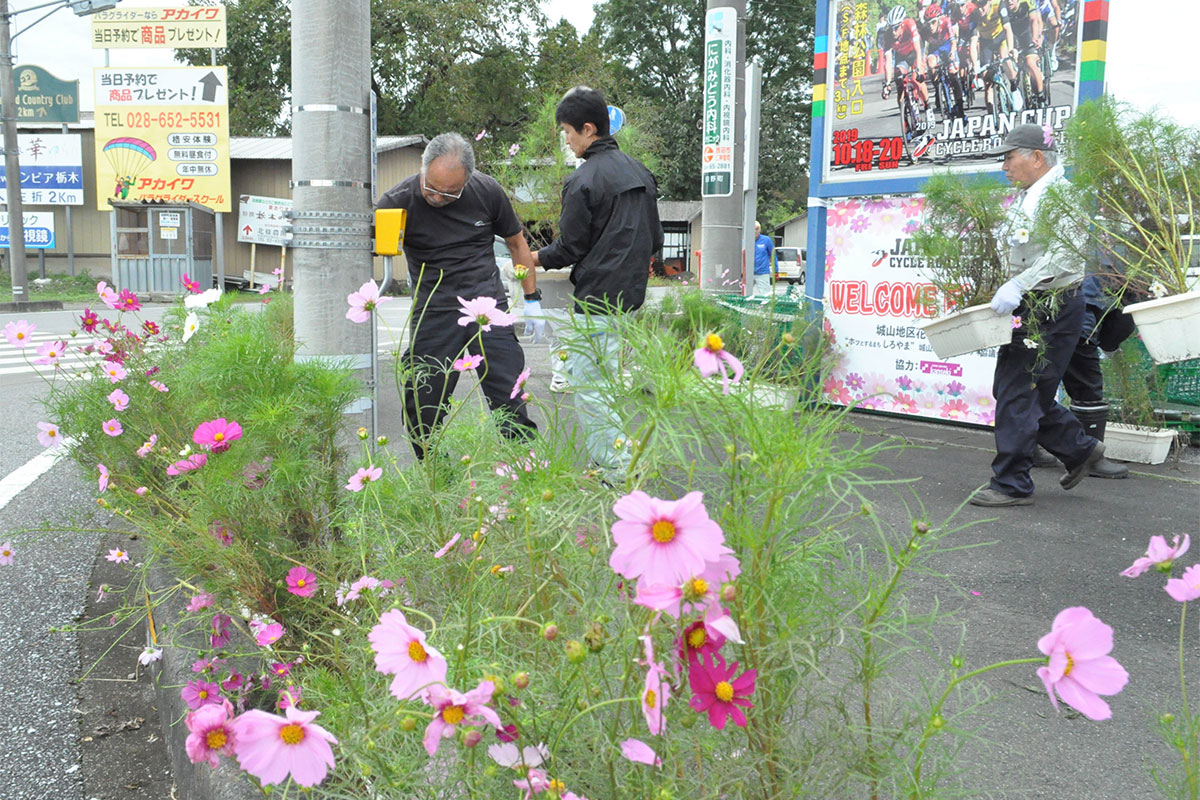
column 724, row 143
column 750, row 193
column 12, row 161
column 331, row 173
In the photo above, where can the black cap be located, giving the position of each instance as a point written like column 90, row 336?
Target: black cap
column 1027, row 136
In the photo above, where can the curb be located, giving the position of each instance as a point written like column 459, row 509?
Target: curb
column 192, row 781
column 25, row 306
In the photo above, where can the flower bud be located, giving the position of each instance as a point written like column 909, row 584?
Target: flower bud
column 408, row 724
column 575, row 652
column 788, row 338
column 472, row 738
column 920, row 527
column 521, row 680
column 548, row 495
column 728, row 593
column 937, row 723
column 550, row 632
column 362, row 433
column 956, row 662
column 381, row 441
column 465, row 460
column 594, row 637
column 1166, row 719
column 498, row 682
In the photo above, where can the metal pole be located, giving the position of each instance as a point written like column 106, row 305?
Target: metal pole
column 331, row 175
column 750, row 206
column 721, row 232
column 70, row 229
column 219, row 233
column 12, row 161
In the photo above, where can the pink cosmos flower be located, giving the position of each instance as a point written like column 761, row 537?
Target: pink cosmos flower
column 210, row 733
column 151, row 328
column 281, row 669
column 656, row 691
column 1187, row 587
column 510, row 756
column 513, row 149
column 6, row 554
column 194, row 461
column 109, row 296
column 220, row 631
column 141, row 491
column 202, row 600
column 117, row 556
column 519, row 386
column 639, row 752
column 119, row 400
column 147, row 446
column 452, row 709
column 18, row 333
column 104, row 478
column 50, row 353
column 666, row 541
column 364, row 301
column 115, row 372
column 269, row 634
column 712, row 358
column 484, row 312
column 468, row 362
column 233, row 682
column 365, row 582
column 216, row 435
column 401, row 650
column 128, row 301
column 289, row 697
column 48, row 434
column 446, row 547
column 200, row 693
column 364, row 476
column 159, row 386
column 482, row 133
column 301, row 582
column 89, row 320
column 271, row 747
column 716, row 691
column 1159, row 555
column 698, row 591
column 266, row 287
column 1079, row 668
column 256, row 473
column 113, row 427
column 191, row 285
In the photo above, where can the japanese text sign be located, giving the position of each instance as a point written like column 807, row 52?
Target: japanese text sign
column 176, row 27
column 39, row 230
column 720, row 61
column 262, row 220
column 51, row 169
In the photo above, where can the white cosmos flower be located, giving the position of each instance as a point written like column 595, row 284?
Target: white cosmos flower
column 151, row 653
column 191, row 324
column 202, row 300
column 511, row 756
column 1031, row 344
column 1158, row 290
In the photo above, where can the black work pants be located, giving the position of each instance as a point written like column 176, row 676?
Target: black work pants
column 1083, row 379
column 1027, row 413
column 437, row 340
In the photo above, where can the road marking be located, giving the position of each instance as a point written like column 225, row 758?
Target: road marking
column 20, row 478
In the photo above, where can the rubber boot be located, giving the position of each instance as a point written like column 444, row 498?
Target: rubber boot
column 1043, row 459
column 1094, row 418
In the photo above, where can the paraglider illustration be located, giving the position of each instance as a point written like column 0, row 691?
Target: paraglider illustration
column 128, row 157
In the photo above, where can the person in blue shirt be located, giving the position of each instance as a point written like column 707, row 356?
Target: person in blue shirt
column 764, row 263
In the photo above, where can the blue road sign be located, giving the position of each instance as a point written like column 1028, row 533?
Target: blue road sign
column 616, row 118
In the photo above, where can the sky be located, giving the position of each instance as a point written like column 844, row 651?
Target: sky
column 1147, row 43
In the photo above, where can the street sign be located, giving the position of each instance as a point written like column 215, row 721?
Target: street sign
column 51, row 169
column 39, row 230
column 616, row 120
column 178, row 27
column 43, row 98
column 262, row 220
column 162, row 134
column 716, row 166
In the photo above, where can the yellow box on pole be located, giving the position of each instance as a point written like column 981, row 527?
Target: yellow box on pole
column 389, row 230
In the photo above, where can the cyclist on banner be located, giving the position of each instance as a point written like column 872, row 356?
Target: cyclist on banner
column 1026, row 22
column 991, row 44
column 902, row 39
column 1052, row 15
column 962, row 15
column 938, row 34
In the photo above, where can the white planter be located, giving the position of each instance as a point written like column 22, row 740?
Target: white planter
column 1169, row 326
column 766, row 395
column 966, row 331
column 1140, row 445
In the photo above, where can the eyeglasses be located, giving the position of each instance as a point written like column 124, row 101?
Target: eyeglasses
column 445, row 195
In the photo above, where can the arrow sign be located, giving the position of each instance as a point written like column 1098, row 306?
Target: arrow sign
column 210, row 82
column 247, row 230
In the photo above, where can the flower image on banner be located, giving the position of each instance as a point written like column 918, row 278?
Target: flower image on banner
column 872, row 308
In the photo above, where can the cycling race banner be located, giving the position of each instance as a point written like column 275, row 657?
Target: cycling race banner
column 875, row 295
column 920, row 84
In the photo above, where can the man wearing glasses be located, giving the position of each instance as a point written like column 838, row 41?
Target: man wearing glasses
column 454, row 213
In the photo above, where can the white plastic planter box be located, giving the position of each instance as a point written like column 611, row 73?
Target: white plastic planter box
column 1169, row 326
column 1139, row 445
column 966, row 331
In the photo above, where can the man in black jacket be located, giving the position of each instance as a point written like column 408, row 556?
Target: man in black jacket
column 609, row 230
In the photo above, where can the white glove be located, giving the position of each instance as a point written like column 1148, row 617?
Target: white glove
column 1007, row 297
column 535, row 323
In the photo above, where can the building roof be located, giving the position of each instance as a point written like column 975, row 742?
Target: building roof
column 787, row 222
column 280, row 147
column 679, row 210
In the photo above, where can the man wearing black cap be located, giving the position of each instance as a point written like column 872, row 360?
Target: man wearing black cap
column 1027, row 378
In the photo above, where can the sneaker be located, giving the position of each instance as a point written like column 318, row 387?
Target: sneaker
column 1076, row 474
column 559, row 383
column 990, row 498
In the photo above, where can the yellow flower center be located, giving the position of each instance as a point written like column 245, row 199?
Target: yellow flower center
column 52, row 433
column 300, row 583
column 453, row 715
column 724, row 691
column 416, row 652
column 663, row 531
column 20, row 335
column 215, row 739
column 651, row 698
column 53, row 353
column 697, row 638
column 697, row 587
column 1070, row 665
column 714, row 343
column 291, row 734
column 203, row 694
column 218, row 437
column 555, row 785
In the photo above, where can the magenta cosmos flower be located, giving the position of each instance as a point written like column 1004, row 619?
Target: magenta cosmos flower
column 1186, row 587
column 19, row 333
column 301, row 582
column 483, row 310
column 128, row 301
column 364, row 476
column 1159, row 555
column 364, row 301
column 269, row 634
column 716, row 691
column 401, row 650
column 194, row 461
column 271, row 747
column 200, row 693
column 452, row 709
column 210, row 733
column 665, row 542
column 713, row 358
column 1079, row 668
column 217, row 434
column 48, row 434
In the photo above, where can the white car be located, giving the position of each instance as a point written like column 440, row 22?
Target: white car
column 789, row 264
